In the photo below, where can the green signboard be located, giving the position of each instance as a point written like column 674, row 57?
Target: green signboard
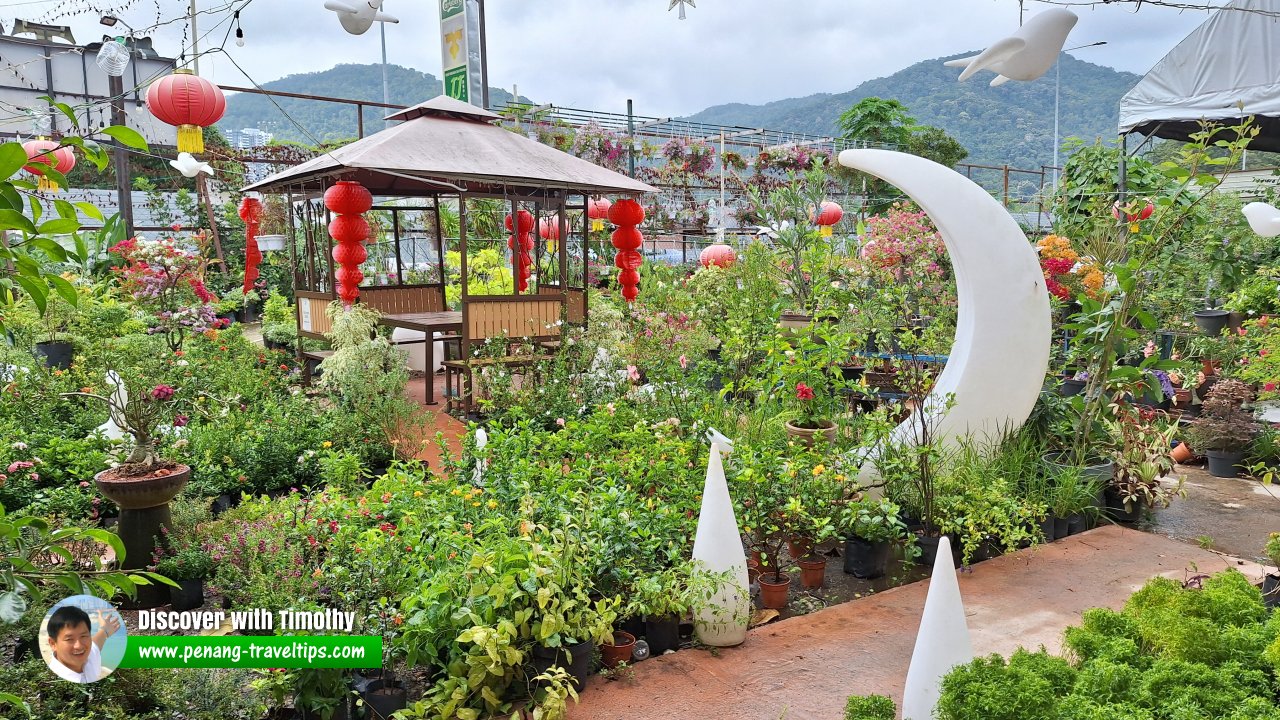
column 449, row 8
column 455, row 84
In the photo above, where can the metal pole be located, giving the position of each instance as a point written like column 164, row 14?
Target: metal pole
column 631, row 135
column 1057, row 92
column 484, row 60
column 195, row 41
column 720, row 228
column 386, row 89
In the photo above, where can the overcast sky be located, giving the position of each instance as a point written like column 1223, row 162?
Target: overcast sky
column 596, row 54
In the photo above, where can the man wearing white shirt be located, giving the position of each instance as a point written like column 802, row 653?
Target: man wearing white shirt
column 77, row 650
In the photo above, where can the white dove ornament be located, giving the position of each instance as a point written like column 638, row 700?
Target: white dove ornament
column 357, row 16
column 189, row 166
column 1025, row 55
column 1263, row 218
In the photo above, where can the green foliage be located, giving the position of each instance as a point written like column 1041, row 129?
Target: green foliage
column 870, row 707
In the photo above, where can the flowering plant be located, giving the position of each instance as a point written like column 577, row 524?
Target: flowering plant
column 1066, row 274
column 166, row 279
column 597, row 145
column 805, row 371
column 691, row 156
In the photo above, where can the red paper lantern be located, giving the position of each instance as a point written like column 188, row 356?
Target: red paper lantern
column 829, row 214
column 598, row 211
column 348, row 198
column 526, row 222
column 549, row 230
column 720, row 255
column 251, row 214
column 188, row 101
column 627, row 239
column 626, row 212
column 349, row 230
column 48, row 155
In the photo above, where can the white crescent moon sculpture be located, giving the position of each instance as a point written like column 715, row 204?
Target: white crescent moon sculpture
column 997, row 362
column 1025, row 55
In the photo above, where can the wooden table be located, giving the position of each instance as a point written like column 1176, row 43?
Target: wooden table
column 427, row 323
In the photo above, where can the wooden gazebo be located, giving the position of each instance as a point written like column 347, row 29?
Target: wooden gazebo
column 456, row 159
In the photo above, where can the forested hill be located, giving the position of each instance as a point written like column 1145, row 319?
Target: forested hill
column 332, row 121
column 1011, row 124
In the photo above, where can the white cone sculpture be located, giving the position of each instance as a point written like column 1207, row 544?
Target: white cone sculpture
column 717, row 548
column 477, row 475
column 120, row 397
column 715, row 437
column 1263, row 218
column 1025, row 55
column 943, row 640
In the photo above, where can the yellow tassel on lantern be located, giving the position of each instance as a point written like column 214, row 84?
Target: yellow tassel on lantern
column 597, row 224
column 190, row 139
column 825, row 231
column 47, row 185
column 551, row 246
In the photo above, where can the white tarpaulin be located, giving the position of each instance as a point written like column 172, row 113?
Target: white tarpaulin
column 1227, row 68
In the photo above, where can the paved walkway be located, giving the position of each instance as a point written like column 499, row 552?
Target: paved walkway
column 805, row 667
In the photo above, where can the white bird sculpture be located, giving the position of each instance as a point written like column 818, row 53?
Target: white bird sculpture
column 1025, row 55
column 356, row 16
column 189, row 166
column 1263, row 218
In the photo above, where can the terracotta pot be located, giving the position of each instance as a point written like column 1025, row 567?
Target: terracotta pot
column 1209, row 367
column 1182, row 453
column 619, row 651
column 799, row 546
column 142, row 492
column 812, row 572
column 1182, row 397
column 773, row 595
column 809, row 436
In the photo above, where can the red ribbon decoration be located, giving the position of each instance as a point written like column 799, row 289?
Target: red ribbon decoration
column 251, row 214
column 627, row 239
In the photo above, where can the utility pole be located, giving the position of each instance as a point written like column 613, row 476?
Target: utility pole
column 386, row 91
column 195, row 41
column 124, row 192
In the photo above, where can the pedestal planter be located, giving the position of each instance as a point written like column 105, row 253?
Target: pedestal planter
column 809, row 435
column 575, row 659
column 1271, row 591
column 812, row 572
column 55, row 354
column 189, row 595
column 619, row 651
column 864, row 559
column 144, row 510
column 1212, row 322
column 773, row 592
column 662, row 634
column 1224, row 464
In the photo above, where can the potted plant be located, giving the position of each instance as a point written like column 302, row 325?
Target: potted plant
column 145, row 482
column 57, row 349
column 1072, row 501
column 871, row 528
column 1142, row 460
column 806, row 371
column 1224, row 429
column 188, row 566
column 802, row 251
column 663, row 599
column 274, row 225
column 279, row 324
column 568, row 623
column 1271, row 583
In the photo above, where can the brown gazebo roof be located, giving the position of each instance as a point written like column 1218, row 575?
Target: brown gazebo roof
column 445, row 145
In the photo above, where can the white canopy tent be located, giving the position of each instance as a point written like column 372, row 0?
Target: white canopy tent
column 1228, row 68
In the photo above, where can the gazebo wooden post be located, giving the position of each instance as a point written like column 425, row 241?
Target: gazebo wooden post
column 440, row 249
column 395, row 229
column 586, row 256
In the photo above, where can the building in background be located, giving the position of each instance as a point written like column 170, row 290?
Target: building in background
column 247, row 139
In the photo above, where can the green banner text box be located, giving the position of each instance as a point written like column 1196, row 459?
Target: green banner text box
column 312, row 651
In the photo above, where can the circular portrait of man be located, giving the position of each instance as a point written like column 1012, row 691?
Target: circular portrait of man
column 82, row 639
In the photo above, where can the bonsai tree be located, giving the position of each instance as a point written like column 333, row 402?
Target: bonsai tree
column 1224, row 425
column 165, row 276
column 143, row 398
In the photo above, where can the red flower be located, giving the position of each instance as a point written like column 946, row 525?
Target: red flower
column 804, row 392
column 162, row 392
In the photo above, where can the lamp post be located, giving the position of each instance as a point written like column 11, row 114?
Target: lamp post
column 120, row 157
column 1057, row 94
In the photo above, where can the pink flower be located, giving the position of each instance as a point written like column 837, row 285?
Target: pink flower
column 35, row 477
column 1241, row 331
column 633, row 373
column 162, row 392
column 560, row 422
column 19, row 465
column 180, row 420
column 1269, row 387
column 804, row 392
column 1150, row 349
column 684, row 363
column 85, row 484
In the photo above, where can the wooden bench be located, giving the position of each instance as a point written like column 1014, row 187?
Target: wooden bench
column 310, row 359
column 459, row 383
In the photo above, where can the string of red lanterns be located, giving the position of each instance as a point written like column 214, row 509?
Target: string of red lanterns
column 251, row 214
column 627, row 239
column 523, row 233
column 348, row 201
column 45, row 155
column 598, row 212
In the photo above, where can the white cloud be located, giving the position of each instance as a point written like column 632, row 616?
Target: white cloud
column 597, row 53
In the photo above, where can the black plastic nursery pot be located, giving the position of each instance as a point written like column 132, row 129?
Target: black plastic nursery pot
column 1116, row 508
column 56, row 354
column 1048, row 529
column 1212, row 322
column 189, row 595
column 1070, row 388
column 929, row 550
column 382, row 698
column 575, row 659
column 1076, row 524
column 866, row 560
column 662, row 634
column 1061, row 527
column 1224, row 464
column 1271, row 591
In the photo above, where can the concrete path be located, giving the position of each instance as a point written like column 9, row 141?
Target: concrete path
column 805, row 667
column 1230, row 515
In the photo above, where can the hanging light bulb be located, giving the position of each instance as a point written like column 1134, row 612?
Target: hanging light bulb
column 239, row 31
column 113, row 57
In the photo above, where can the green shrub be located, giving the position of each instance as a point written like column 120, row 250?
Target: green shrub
column 870, row 707
column 988, row 688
